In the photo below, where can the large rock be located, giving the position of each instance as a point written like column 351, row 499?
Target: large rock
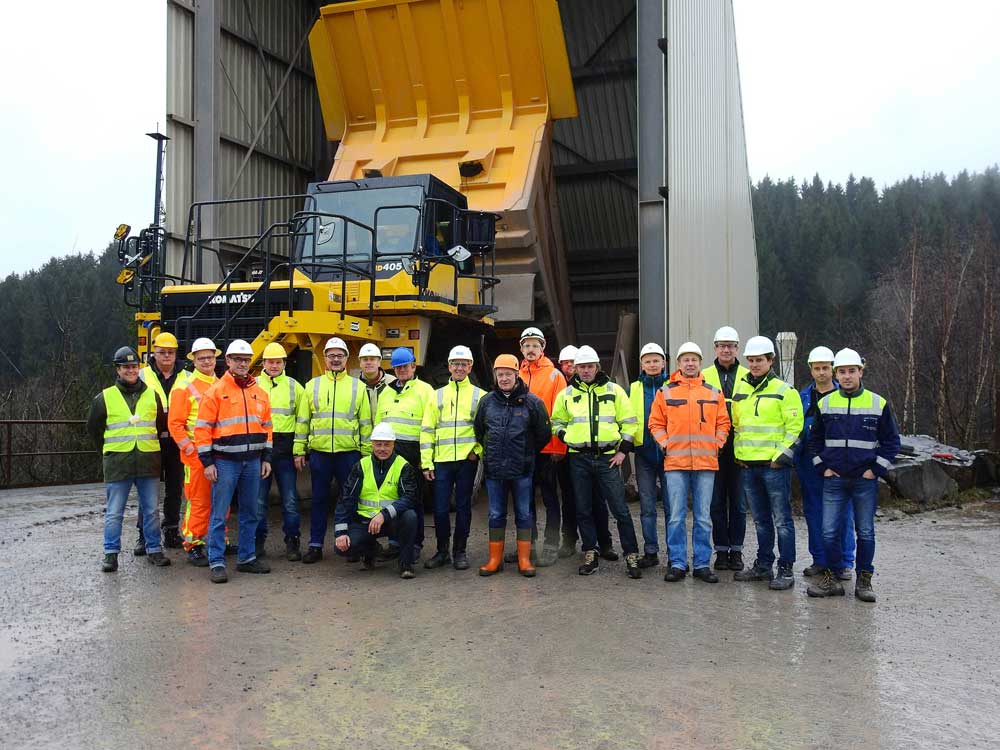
column 922, row 481
column 957, row 463
column 986, row 468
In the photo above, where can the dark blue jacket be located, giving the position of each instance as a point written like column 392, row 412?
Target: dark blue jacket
column 512, row 430
column 855, row 439
column 650, row 450
column 346, row 511
column 807, row 394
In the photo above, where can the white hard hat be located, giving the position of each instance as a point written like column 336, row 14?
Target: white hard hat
column 568, row 354
column 652, row 348
column 586, row 355
column 239, row 346
column 847, row 358
column 203, row 345
column 383, row 431
column 820, row 354
column 460, row 352
column 689, row 347
column 335, row 343
column 727, row 333
column 758, row 345
column 369, row 350
column 532, row 333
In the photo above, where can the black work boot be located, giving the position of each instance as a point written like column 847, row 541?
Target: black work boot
column 705, row 574
column 254, row 566
column 406, row 571
column 632, row 565
column 783, row 579
column 757, row 573
column 292, row 553
column 231, row 549
column 172, row 538
column 722, row 560
column 863, row 587
column 461, row 561
column 197, row 557
column 110, row 564
column 440, row 559
column 312, row 555
column 259, row 549
column 218, row 574
column 735, row 560
column 568, row 547
column 674, row 575
column 140, row 546
column 389, row 552
column 368, row 562
column 814, row 570
column 649, row 560
column 590, row 563
column 608, row 553
column 825, row 584
column 158, row 559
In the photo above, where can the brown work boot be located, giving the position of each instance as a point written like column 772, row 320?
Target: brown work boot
column 863, row 587
column 826, row 585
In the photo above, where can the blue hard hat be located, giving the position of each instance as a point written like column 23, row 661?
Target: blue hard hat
column 402, row 356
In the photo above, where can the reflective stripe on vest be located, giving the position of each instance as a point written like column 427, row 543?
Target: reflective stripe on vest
column 760, row 430
column 404, row 410
column 126, row 431
column 590, row 418
column 454, row 432
column 334, row 425
column 374, row 497
column 282, row 403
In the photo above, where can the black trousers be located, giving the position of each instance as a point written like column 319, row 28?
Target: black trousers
column 403, row 527
column 172, row 475
column 599, row 510
column 410, row 451
column 729, row 515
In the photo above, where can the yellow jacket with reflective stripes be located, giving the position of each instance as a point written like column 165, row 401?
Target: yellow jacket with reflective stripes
column 285, row 393
column 125, row 431
column 595, row 417
column 404, row 408
column 333, row 415
column 374, row 497
column 447, row 431
column 149, row 377
column 767, row 420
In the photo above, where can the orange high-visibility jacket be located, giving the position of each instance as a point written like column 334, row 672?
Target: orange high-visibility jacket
column 233, row 423
column 183, row 413
column 546, row 381
column 690, row 422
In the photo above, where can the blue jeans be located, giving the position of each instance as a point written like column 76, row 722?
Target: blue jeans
column 462, row 476
column 592, row 471
column 283, row 469
column 522, row 489
column 243, row 479
column 325, row 467
column 811, row 482
column 839, row 493
column 769, row 494
column 148, row 489
column 700, row 484
column 650, row 496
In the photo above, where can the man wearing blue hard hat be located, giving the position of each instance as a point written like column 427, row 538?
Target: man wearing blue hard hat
column 401, row 405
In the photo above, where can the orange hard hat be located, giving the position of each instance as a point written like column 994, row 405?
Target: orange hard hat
column 506, row 360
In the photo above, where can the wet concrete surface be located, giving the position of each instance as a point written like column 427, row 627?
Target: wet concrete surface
column 330, row 656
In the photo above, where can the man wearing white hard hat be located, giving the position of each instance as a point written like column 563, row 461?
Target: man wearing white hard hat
column 690, row 422
column 648, row 453
column 820, row 363
column 331, row 430
column 545, row 381
column 767, row 420
column 375, row 380
column 594, row 417
column 185, row 397
column 233, row 435
column 729, row 513
column 449, row 454
column 379, row 499
column 853, row 441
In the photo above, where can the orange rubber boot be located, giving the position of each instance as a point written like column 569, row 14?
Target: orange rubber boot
column 524, row 558
column 495, row 563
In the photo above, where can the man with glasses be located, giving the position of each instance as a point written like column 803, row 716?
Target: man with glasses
column 729, row 515
column 332, row 422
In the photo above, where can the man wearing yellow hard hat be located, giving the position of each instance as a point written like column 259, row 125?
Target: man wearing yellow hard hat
column 161, row 374
column 286, row 395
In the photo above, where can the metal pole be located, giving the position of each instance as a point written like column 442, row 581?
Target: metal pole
column 160, row 141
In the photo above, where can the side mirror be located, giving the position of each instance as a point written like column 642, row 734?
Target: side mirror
column 122, row 232
column 480, row 230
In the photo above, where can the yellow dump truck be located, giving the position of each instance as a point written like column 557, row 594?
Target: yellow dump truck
column 438, row 218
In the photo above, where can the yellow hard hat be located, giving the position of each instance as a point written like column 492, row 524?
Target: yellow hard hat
column 166, row 340
column 274, row 350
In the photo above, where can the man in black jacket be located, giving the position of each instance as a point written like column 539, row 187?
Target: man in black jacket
column 512, row 425
column 379, row 499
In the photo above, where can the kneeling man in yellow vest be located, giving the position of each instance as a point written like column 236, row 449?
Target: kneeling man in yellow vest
column 379, row 499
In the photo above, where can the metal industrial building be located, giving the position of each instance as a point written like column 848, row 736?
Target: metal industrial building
column 652, row 180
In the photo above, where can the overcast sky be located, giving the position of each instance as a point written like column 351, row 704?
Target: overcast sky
column 884, row 89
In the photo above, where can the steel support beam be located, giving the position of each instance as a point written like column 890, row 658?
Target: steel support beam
column 651, row 23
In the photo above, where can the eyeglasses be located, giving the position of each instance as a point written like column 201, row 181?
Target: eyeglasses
column 240, row 360
column 336, row 356
column 460, row 364
column 727, row 346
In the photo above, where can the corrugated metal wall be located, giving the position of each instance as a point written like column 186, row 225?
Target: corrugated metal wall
column 712, row 259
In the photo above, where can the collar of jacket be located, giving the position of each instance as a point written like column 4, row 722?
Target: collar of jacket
column 543, row 363
column 331, row 375
column 519, row 390
column 379, row 381
column 383, row 466
column 732, row 368
column 601, row 379
column 854, row 394
column 460, row 385
column 676, row 377
column 206, row 378
column 250, row 381
column 761, row 381
column 654, row 381
column 399, row 386
column 137, row 387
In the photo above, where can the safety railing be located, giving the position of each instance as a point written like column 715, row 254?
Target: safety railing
column 29, row 477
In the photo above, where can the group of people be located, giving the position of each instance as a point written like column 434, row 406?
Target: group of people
column 719, row 436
